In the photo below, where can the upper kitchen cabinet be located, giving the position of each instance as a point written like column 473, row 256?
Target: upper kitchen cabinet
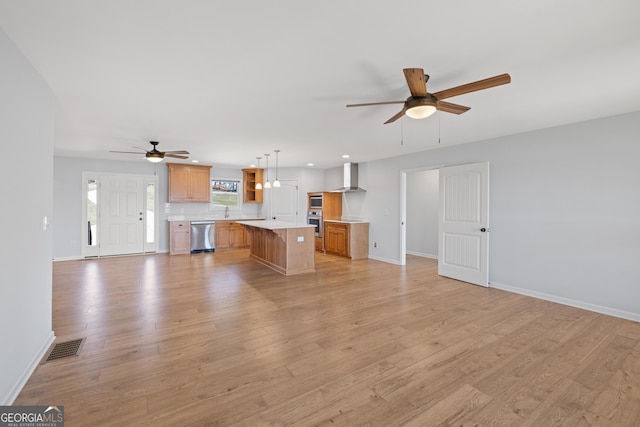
column 250, row 178
column 189, row 183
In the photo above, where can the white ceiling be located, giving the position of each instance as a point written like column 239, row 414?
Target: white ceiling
column 232, row 80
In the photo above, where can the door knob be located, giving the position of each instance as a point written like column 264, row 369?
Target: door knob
column 483, row 229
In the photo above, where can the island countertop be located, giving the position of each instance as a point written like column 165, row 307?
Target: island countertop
column 274, row 224
column 286, row 247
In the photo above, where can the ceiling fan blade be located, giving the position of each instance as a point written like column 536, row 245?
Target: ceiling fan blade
column 502, row 79
column 177, row 152
column 127, row 152
column 396, row 117
column 449, row 107
column 415, row 80
column 375, row 103
column 175, row 156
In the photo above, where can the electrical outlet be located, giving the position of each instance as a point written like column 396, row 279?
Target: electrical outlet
column 375, row 244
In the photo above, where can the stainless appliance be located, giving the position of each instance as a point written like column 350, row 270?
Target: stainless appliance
column 350, row 178
column 203, row 236
column 315, row 218
column 315, row 202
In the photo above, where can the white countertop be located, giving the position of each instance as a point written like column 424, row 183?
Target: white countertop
column 348, row 221
column 274, row 225
column 210, row 218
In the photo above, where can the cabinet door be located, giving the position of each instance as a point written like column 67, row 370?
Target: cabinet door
column 200, row 184
column 180, row 237
column 337, row 238
column 237, row 236
column 223, row 240
column 179, row 183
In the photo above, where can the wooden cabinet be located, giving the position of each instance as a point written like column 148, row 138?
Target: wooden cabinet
column 230, row 235
column 347, row 239
column 331, row 209
column 336, row 238
column 179, row 237
column 250, row 178
column 189, row 183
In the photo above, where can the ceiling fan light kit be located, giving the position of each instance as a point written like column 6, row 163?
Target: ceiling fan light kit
column 421, row 108
column 155, row 156
column 422, row 104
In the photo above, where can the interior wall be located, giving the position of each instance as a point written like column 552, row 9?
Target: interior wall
column 26, row 132
column 564, row 210
column 68, row 198
column 422, row 213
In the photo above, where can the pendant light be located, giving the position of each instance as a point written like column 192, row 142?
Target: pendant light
column 276, row 183
column 259, row 184
column 267, row 184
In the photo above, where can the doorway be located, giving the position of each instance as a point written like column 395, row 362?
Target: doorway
column 119, row 214
column 463, row 219
column 284, row 206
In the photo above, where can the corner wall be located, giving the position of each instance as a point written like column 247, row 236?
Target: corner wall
column 26, row 185
column 564, row 211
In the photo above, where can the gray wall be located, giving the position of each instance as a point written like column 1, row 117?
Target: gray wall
column 564, row 210
column 26, row 134
column 422, row 213
column 68, row 198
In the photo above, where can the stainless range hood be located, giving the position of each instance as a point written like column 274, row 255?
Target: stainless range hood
column 350, row 179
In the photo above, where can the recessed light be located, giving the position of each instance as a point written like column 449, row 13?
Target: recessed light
column 195, row 161
column 309, row 164
column 252, row 166
column 345, row 156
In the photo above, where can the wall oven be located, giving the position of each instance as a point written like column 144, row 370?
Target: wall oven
column 315, row 218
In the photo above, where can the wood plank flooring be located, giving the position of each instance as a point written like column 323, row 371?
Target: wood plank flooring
column 219, row 339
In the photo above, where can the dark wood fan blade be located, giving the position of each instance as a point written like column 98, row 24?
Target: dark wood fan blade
column 175, row 156
column 502, row 79
column 449, row 107
column 415, row 80
column 127, row 152
column 375, row 103
column 396, row 117
column 177, row 152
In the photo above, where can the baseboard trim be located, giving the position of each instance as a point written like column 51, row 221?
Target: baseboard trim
column 28, row 371
column 422, row 254
column 568, row 301
column 387, row 260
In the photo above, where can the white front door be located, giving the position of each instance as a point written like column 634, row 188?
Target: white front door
column 120, row 214
column 285, row 201
column 463, row 243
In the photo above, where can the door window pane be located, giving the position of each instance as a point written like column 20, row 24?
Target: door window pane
column 92, row 213
column 150, row 232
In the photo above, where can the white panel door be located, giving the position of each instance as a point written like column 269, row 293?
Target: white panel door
column 121, row 215
column 463, row 243
column 285, row 201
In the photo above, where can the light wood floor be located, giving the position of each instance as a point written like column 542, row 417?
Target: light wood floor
column 218, row 339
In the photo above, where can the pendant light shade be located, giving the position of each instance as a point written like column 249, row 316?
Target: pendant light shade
column 267, row 184
column 259, row 184
column 276, row 183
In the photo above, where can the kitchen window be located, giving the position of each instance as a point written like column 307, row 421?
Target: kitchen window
column 225, row 193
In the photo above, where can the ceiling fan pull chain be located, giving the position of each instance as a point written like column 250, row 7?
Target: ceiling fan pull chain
column 402, row 132
column 439, row 128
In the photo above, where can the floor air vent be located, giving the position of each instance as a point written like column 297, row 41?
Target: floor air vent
column 65, row 349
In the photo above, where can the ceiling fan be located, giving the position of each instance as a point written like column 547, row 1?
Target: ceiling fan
column 154, row 155
column 422, row 104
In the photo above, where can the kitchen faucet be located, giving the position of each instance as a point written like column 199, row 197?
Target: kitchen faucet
column 226, row 212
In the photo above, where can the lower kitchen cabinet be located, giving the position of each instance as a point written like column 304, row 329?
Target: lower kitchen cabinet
column 179, row 237
column 230, row 235
column 347, row 239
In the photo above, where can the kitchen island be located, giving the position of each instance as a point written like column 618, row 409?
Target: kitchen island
column 284, row 246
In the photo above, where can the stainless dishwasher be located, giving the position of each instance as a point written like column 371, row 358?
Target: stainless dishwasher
column 203, row 236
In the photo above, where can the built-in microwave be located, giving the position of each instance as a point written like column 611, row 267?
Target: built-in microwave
column 315, row 202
